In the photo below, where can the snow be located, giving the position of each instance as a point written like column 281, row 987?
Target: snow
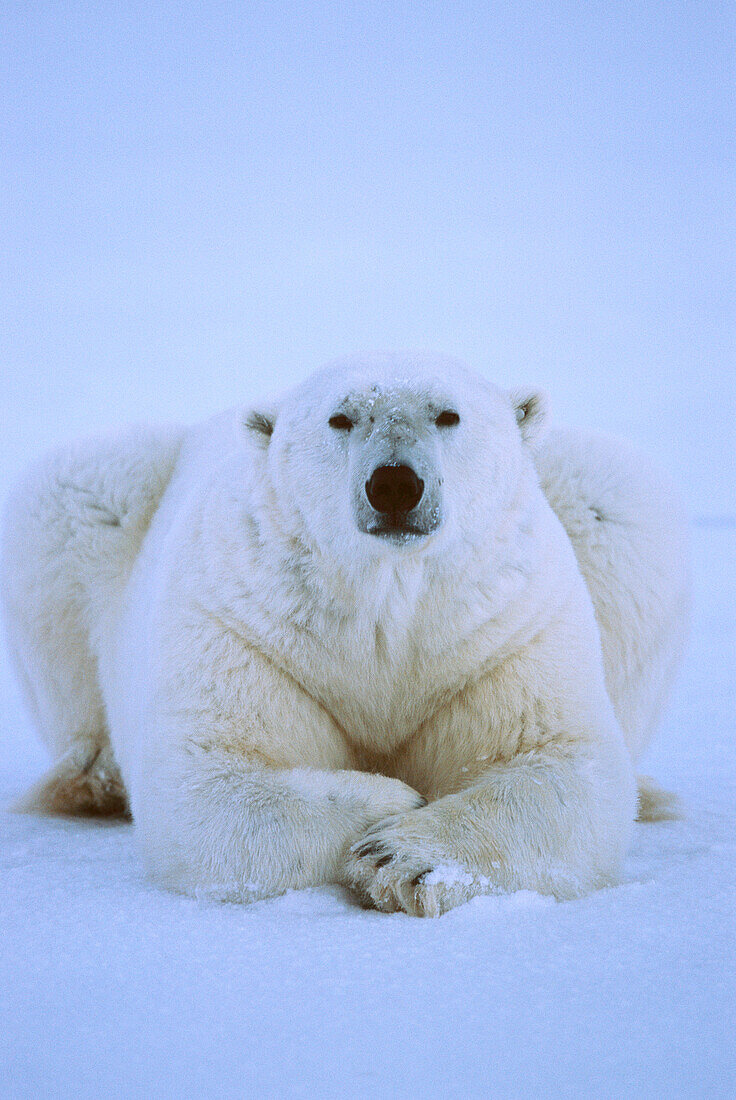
column 112, row 986
column 452, row 874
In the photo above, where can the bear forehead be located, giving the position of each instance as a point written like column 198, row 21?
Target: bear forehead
column 409, row 378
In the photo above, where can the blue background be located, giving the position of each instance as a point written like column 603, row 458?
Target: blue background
column 201, row 202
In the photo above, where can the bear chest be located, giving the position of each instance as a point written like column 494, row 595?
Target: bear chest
column 379, row 686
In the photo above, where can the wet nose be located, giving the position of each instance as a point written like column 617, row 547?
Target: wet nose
column 394, row 489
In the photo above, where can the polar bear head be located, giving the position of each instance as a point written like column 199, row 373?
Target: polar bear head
column 394, row 454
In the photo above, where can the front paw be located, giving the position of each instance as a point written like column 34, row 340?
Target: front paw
column 385, row 797
column 405, row 865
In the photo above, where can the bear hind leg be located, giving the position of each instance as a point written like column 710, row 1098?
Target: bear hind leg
column 72, row 530
column 85, row 782
column 654, row 803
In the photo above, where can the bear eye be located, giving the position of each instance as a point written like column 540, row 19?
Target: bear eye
column 447, row 419
column 341, row 422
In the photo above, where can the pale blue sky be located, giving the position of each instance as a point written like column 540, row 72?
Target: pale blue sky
column 203, row 201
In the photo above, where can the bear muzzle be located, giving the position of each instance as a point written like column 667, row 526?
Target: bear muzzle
column 394, row 490
column 396, row 505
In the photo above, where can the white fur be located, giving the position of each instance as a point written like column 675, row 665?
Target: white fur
column 282, row 690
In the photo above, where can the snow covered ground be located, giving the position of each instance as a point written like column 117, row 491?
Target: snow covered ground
column 112, row 987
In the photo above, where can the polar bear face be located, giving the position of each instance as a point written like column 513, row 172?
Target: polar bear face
column 395, row 455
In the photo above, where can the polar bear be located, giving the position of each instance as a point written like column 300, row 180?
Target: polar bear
column 388, row 630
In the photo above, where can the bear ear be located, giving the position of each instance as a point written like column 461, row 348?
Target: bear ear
column 531, row 408
column 258, row 425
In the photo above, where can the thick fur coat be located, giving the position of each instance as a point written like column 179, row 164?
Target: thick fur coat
column 290, row 681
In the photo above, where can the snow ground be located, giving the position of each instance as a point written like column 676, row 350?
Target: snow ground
column 113, row 987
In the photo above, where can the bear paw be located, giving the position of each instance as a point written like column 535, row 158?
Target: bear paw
column 394, row 868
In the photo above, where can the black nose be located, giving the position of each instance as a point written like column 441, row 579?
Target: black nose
column 394, row 489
